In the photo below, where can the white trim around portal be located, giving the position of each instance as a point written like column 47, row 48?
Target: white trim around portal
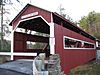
column 51, row 17
column 29, row 19
column 29, row 15
column 5, row 53
column 52, row 39
column 51, row 29
column 18, row 54
column 24, row 54
column 97, row 45
column 77, row 40
column 12, row 33
column 12, row 44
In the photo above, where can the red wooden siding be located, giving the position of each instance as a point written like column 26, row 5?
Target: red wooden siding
column 73, row 57
column 31, row 9
column 20, row 40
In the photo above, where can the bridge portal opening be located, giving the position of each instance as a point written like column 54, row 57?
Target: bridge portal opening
column 32, row 36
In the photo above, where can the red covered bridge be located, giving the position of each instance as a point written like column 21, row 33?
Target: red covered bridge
column 60, row 36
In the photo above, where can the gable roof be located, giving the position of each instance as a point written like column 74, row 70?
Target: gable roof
column 59, row 16
column 20, row 13
column 76, row 28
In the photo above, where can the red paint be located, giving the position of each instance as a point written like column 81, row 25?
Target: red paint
column 72, row 57
column 69, row 58
column 30, row 9
column 20, row 40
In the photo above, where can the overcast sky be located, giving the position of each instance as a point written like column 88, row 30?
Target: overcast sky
column 74, row 8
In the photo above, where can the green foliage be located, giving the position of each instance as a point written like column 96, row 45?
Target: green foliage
column 91, row 17
column 84, row 23
column 6, row 46
column 97, row 35
column 97, row 21
column 91, row 23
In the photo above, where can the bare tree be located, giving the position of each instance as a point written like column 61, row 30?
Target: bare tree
column 61, row 11
column 4, row 28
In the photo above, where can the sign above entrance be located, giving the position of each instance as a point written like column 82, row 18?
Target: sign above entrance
column 29, row 15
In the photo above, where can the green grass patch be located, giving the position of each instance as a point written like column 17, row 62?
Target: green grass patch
column 87, row 69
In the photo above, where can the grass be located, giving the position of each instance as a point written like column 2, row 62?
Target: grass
column 92, row 68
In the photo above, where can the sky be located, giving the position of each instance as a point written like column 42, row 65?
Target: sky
column 74, row 8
